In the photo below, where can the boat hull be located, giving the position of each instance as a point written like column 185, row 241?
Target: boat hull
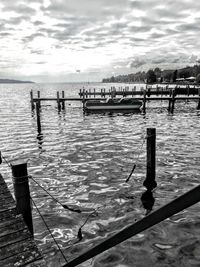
column 112, row 106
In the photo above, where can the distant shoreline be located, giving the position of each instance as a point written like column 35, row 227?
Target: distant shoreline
column 13, row 81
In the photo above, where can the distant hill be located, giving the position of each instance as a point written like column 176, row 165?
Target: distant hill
column 13, row 81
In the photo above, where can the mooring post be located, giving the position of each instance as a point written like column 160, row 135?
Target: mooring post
column 144, row 100
column 63, row 101
column 170, row 100
column 32, row 102
column 21, row 191
column 38, row 117
column 58, row 102
column 198, row 106
column 173, row 101
column 150, row 182
column 38, row 93
column 83, row 101
column 94, row 93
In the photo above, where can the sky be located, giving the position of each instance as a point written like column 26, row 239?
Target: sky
column 87, row 40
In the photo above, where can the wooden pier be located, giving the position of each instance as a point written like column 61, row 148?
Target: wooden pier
column 17, row 247
column 168, row 93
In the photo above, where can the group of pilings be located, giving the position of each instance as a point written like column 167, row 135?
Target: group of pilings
column 145, row 95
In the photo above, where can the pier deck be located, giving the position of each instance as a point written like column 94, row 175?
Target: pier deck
column 17, row 247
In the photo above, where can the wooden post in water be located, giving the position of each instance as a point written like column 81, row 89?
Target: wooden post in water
column 38, row 93
column 32, row 103
column 58, row 102
column 38, row 117
column 94, row 93
column 21, row 191
column 172, row 101
column 63, row 101
column 169, row 106
column 150, row 182
column 198, row 106
column 144, row 101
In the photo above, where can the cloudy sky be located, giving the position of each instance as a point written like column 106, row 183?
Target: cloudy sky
column 87, row 40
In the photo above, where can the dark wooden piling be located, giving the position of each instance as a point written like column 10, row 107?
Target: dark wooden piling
column 38, row 117
column 150, row 182
column 198, row 106
column 38, row 93
column 63, row 101
column 170, row 101
column 173, row 101
column 58, row 102
column 22, row 192
column 32, row 102
column 144, row 101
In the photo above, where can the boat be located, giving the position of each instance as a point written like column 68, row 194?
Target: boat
column 124, row 104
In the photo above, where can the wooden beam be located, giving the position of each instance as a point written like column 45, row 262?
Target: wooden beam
column 186, row 200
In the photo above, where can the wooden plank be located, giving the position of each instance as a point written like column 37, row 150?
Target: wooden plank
column 17, row 247
column 15, row 237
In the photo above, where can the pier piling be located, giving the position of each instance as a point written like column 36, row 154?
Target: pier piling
column 58, row 102
column 144, row 101
column 21, row 191
column 150, row 182
column 38, row 117
column 32, row 102
column 198, row 106
column 63, row 101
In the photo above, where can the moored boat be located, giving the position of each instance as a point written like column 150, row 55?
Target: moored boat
column 113, row 105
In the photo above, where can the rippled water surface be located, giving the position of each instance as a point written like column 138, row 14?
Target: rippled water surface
column 84, row 162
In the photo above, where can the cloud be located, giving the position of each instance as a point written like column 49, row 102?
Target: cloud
column 100, row 34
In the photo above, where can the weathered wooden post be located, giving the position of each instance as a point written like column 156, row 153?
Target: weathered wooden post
column 83, row 101
column 94, row 93
column 32, row 102
column 58, row 102
column 89, row 93
column 144, row 101
column 63, row 101
column 21, row 191
column 173, row 101
column 38, row 117
column 169, row 106
column 198, row 106
column 150, row 182
column 38, row 93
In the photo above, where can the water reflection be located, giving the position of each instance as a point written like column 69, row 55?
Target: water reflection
column 148, row 200
column 40, row 140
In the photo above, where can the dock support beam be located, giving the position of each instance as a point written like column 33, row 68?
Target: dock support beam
column 58, row 102
column 144, row 101
column 21, row 191
column 150, row 182
column 38, row 116
column 198, row 106
column 32, row 103
column 63, row 101
column 172, row 101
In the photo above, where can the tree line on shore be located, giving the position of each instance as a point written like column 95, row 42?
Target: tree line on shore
column 157, row 75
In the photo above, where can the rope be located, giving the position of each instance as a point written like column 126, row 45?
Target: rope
column 134, row 166
column 2, row 157
column 49, row 230
column 56, row 200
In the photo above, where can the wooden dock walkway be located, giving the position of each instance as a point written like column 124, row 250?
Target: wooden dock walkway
column 17, row 246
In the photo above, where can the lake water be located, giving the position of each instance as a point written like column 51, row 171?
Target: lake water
column 84, row 161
